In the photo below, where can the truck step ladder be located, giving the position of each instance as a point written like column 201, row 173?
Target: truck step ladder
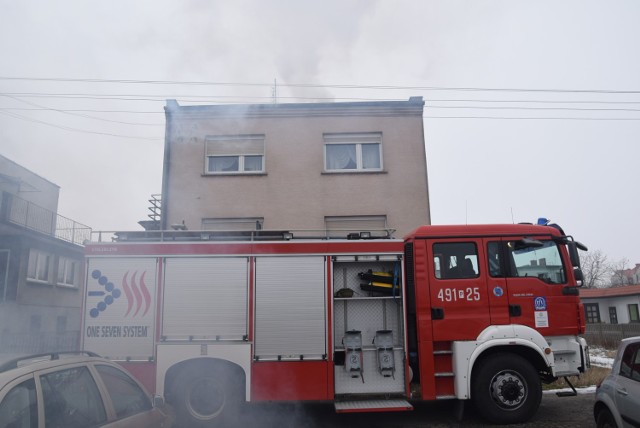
column 443, row 371
column 377, row 405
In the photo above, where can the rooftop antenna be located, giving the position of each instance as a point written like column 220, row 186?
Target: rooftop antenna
column 274, row 91
column 512, row 220
column 466, row 212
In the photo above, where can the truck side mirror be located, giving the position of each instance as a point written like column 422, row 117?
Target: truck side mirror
column 573, row 247
column 579, row 276
column 573, row 254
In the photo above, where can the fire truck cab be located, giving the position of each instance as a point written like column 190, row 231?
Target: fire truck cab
column 210, row 320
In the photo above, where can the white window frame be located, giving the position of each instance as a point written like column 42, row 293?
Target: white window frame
column 241, row 166
column 357, row 140
column 234, row 146
column 39, row 267
column 68, row 272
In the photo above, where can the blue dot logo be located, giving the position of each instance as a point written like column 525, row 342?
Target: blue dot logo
column 110, row 293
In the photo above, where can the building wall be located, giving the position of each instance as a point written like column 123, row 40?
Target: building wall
column 35, row 315
column 620, row 303
column 295, row 191
column 19, row 181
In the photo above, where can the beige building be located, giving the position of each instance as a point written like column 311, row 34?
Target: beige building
column 327, row 168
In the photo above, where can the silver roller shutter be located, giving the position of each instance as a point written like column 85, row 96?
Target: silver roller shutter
column 290, row 308
column 205, row 298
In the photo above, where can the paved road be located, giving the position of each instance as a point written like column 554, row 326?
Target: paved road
column 554, row 412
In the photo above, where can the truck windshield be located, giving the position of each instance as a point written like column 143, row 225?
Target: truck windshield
column 543, row 262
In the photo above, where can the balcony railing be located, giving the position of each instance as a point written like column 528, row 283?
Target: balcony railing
column 23, row 213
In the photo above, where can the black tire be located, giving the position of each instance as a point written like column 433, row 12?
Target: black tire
column 208, row 397
column 605, row 419
column 506, row 389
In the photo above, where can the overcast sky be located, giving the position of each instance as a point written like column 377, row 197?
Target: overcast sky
column 532, row 107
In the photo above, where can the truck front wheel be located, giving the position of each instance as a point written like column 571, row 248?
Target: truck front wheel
column 206, row 398
column 506, row 389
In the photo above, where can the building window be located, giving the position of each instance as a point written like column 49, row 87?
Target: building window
column 613, row 315
column 39, row 265
column 242, row 154
column 237, row 224
column 456, row 260
column 67, row 272
column 353, row 152
column 592, row 311
column 633, row 313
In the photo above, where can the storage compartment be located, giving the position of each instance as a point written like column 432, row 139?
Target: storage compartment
column 368, row 300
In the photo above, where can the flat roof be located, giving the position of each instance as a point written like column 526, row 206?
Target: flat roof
column 412, row 107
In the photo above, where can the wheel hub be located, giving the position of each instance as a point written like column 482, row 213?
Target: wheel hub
column 508, row 390
column 206, row 399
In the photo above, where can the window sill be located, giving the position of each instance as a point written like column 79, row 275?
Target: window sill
column 236, row 174
column 353, row 172
column 39, row 282
column 67, row 286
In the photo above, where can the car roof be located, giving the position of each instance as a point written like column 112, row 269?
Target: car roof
column 628, row 340
column 26, row 364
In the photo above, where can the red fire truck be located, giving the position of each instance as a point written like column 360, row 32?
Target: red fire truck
column 209, row 320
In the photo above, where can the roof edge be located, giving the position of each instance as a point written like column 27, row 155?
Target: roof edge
column 414, row 106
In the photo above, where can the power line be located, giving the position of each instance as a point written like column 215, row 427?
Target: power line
column 72, row 111
column 334, row 86
column 201, row 98
column 139, row 97
column 527, row 101
column 67, row 128
column 81, row 115
column 531, row 108
column 79, row 110
column 513, row 105
column 536, row 118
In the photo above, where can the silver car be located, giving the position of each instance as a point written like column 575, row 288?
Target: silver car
column 618, row 396
column 73, row 390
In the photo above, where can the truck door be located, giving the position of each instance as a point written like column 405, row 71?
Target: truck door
column 536, row 277
column 459, row 298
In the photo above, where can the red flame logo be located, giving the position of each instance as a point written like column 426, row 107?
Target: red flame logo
column 137, row 293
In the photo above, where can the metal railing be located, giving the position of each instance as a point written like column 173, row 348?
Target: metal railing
column 237, row 235
column 23, row 213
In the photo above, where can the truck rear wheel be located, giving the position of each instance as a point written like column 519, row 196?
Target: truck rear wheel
column 506, row 389
column 207, row 397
